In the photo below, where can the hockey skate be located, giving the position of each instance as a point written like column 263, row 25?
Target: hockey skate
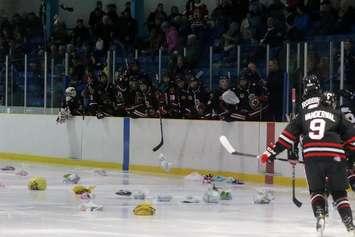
column 320, row 225
column 351, row 230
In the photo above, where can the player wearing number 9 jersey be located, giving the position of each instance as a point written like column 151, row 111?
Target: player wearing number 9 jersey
column 326, row 135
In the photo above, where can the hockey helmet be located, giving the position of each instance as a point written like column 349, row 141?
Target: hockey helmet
column 70, row 93
column 310, row 84
column 328, row 99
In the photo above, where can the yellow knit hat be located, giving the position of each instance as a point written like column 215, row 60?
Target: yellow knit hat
column 37, row 183
column 144, row 209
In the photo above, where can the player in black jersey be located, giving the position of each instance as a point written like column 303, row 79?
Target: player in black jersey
column 326, row 135
column 311, row 92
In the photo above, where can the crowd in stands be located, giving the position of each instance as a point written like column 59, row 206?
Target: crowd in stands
column 184, row 35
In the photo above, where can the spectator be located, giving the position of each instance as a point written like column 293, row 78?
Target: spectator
column 81, row 34
column 96, row 15
column 171, row 37
column 239, row 9
column 327, row 19
column 293, row 4
column 345, row 19
column 128, row 28
column 127, row 8
column 302, row 20
column 156, row 18
column 198, row 15
column 112, row 14
column 248, row 28
column 293, row 34
column 59, row 34
column 275, row 88
column 192, row 50
column 231, row 37
column 174, row 12
column 273, row 36
column 105, row 31
column 276, row 10
column 223, row 12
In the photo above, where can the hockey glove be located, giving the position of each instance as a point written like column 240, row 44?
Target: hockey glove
column 292, row 156
column 267, row 155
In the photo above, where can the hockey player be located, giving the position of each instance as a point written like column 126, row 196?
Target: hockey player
column 311, row 92
column 71, row 105
column 196, row 99
column 326, row 135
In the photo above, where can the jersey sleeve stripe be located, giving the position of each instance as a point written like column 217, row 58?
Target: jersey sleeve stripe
column 286, row 139
column 284, row 144
column 352, row 139
column 288, row 134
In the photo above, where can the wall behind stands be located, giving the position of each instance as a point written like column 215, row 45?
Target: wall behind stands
column 190, row 145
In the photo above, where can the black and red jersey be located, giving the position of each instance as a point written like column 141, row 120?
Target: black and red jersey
column 325, row 134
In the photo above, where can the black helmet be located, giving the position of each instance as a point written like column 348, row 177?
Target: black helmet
column 328, row 99
column 310, row 84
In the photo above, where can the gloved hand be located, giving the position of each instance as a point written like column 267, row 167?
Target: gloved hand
column 292, row 156
column 267, row 155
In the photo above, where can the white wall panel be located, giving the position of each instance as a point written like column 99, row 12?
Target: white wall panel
column 187, row 143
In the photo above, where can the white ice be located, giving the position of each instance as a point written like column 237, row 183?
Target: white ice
column 55, row 213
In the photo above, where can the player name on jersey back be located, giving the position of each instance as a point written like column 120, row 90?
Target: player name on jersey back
column 319, row 114
column 310, row 103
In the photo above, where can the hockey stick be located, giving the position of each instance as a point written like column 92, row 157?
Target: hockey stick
column 294, row 199
column 157, row 147
column 227, row 145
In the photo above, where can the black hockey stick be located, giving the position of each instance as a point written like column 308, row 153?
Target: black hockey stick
column 157, row 147
column 294, row 199
column 227, row 145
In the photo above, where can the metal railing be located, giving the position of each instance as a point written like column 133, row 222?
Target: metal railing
column 38, row 82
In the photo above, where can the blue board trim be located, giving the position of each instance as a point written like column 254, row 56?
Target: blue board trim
column 126, row 141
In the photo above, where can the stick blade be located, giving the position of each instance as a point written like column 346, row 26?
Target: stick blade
column 297, row 202
column 226, row 144
column 158, row 146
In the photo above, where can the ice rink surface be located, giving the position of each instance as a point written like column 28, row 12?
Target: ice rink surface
column 55, row 212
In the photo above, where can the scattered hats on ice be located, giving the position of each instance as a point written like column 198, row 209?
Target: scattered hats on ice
column 80, row 189
column 218, row 178
column 139, row 195
column 123, row 193
column 211, row 196
column 191, row 199
column 90, row 207
column 234, row 180
column 87, row 196
column 194, row 176
column 37, row 183
column 207, row 179
column 144, row 209
column 101, row 172
column 22, row 173
column 8, row 168
column 164, row 198
column 263, row 197
column 71, row 178
column 225, row 195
